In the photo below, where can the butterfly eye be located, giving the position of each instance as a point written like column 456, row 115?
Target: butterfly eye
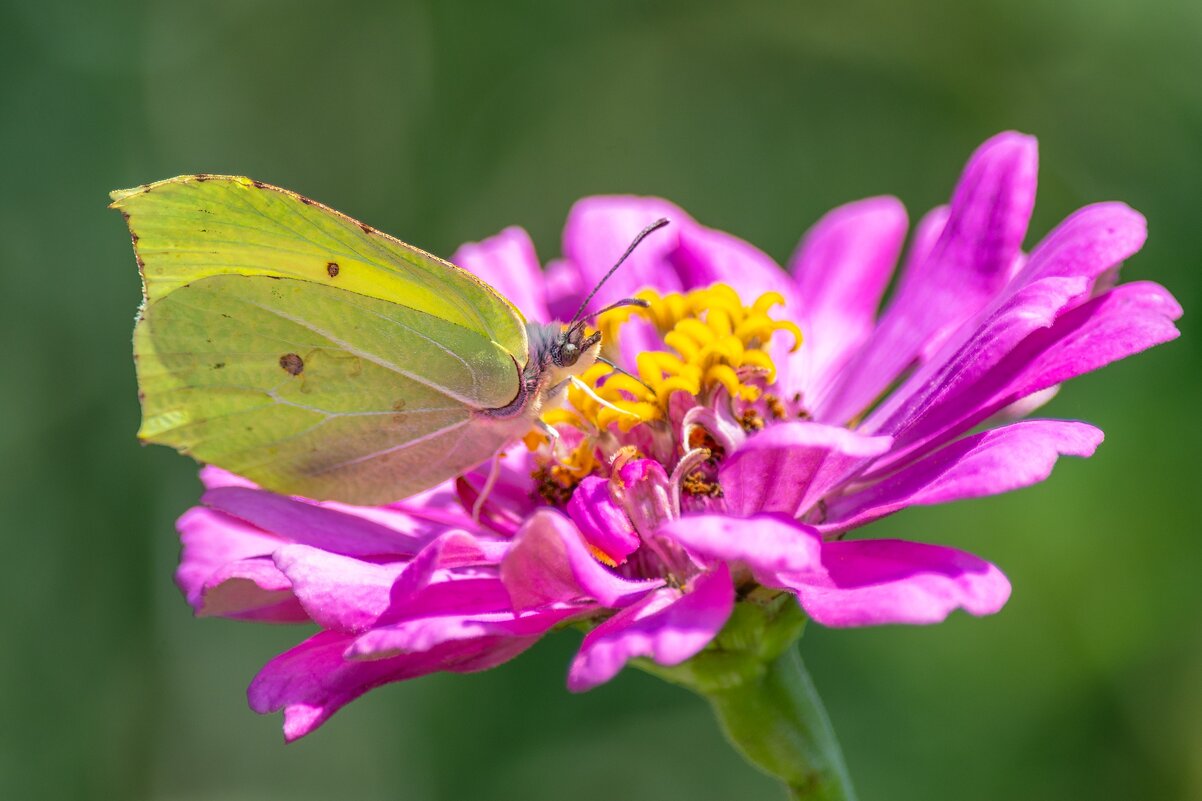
column 566, row 351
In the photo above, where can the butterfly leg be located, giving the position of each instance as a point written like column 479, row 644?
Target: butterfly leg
column 553, row 439
column 494, row 472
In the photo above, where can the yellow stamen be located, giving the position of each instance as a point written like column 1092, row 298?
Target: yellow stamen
column 713, row 342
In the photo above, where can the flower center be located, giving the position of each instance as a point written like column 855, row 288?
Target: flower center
column 696, row 342
column 710, row 340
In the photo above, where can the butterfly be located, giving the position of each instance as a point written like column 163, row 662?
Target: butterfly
column 315, row 355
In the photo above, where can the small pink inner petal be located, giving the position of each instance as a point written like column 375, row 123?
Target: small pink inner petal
column 666, row 625
column 549, row 563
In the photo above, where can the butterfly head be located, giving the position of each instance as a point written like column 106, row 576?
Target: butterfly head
column 572, row 343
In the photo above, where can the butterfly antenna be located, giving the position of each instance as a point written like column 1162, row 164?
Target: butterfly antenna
column 660, row 223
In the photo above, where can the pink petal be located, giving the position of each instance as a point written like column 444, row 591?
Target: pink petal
column 319, row 526
column 1059, row 276
column 507, row 262
column 338, row 592
column 645, row 492
column 424, row 634
column 213, row 477
column 603, row 523
column 707, row 256
column 842, row 267
column 667, row 625
column 215, row 546
column 549, row 563
column 873, row 582
column 788, row 467
column 766, row 543
column 564, row 287
column 926, row 235
column 987, row 463
column 969, row 264
column 250, row 589
column 314, row 680
column 598, row 231
column 1126, row 320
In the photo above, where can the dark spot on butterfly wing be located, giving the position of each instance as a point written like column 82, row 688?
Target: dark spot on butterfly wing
column 332, row 269
column 292, row 363
column 367, row 229
column 259, row 184
column 218, row 365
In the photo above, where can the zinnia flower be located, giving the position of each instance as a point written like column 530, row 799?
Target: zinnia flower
column 764, row 414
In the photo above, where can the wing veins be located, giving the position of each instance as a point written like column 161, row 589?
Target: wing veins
column 394, row 448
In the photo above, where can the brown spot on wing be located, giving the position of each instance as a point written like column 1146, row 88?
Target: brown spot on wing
column 259, row 184
column 332, row 269
column 292, row 363
column 367, row 229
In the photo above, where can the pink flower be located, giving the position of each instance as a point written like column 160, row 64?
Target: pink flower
column 734, row 464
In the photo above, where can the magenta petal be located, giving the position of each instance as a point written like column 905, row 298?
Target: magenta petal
column 842, row 267
column 564, row 287
column 873, row 582
column 706, row 256
column 602, row 522
column 306, row 523
column 507, row 262
column 223, row 569
column 645, row 491
column 1124, row 321
column 766, row 543
column 970, row 263
column 338, row 592
column 926, row 236
column 424, row 634
column 213, row 477
column 598, row 231
column 550, row 563
column 788, row 467
column 314, row 680
column 987, row 463
column 667, row 625
column 250, row 589
column 1061, row 274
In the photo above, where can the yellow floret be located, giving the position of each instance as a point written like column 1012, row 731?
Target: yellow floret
column 711, row 336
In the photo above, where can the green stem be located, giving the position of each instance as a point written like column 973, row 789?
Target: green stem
column 754, row 679
column 777, row 722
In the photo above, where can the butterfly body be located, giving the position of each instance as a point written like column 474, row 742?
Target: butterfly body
column 309, row 352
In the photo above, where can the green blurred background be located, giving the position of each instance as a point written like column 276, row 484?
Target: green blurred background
column 442, row 122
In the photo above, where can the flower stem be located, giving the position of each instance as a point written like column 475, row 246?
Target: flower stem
column 777, row 722
column 754, row 679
